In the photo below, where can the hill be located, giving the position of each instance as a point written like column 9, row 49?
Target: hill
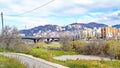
column 70, row 27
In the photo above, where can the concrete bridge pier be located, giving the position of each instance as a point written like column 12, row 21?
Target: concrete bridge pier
column 38, row 40
column 48, row 39
column 35, row 41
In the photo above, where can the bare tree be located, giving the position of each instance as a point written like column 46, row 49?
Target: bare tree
column 9, row 37
column 65, row 39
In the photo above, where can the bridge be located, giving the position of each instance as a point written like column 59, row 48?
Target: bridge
column 37, row 39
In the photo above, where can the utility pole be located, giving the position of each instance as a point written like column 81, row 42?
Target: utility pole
column 2, row 20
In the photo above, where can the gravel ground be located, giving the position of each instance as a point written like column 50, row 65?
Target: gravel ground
column 33, row 62
column 80, row 57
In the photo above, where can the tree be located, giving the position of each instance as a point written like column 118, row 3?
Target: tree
column 9, row 37
column 65, row 39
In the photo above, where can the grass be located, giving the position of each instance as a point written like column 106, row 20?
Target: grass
column 46, row 54
column 3, row 50
column 54, row 44
column 49, row 54
column 6, row 62
column 49, row 45
column 92, row 64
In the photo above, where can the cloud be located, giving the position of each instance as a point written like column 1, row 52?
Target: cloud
column 74, row 11
column 29, row 22
column 110, row 18
column 20, row 6
column 61, row 11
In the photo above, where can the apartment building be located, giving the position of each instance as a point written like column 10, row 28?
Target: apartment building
column 109, row 32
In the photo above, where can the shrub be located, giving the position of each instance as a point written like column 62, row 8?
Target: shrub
column 67, row 47
column 94, row 48
column 21, row 47
column 105, row 48
column 112, row 48
column 77, row 45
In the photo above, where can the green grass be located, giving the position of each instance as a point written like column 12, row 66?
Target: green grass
column 3, row 50
column 54, row 44
column 48, row 54
column 6, row 62
column 92, row 64
column 48, row 45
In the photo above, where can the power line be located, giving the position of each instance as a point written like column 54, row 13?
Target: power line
column 33, row 9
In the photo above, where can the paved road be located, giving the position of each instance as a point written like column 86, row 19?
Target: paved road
column 32, row 62
column 80, row 57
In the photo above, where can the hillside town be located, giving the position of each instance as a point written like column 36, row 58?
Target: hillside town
column 108, row 32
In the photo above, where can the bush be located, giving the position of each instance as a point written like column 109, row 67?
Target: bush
column 112, row 48
column 77, row 45
column 92, row 48
column 21, row 47
column 67, row 47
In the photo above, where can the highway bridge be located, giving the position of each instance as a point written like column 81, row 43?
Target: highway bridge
column 37, row 39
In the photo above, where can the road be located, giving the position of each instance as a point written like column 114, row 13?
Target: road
column 32, row 62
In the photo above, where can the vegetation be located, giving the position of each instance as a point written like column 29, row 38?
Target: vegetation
column 92, row 64
column 77, row 45
column 44, row 53
column 109, row 48
column 92, row 48
column 50, row 46
column 40, row 45
column 6, row 62
column 112, row 48
column 65, row 39
column 54, row 45
column 49, row 54
column 9, row 41
column 9, row 38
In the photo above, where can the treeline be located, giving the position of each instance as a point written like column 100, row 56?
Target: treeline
column 104, row 48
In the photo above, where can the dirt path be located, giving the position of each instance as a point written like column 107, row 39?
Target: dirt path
column 80, row 57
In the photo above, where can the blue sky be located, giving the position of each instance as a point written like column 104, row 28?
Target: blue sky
column 59, row 12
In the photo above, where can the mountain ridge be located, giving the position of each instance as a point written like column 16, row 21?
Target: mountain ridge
column 69, row 27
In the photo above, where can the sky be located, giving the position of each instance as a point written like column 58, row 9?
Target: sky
column 59, row 12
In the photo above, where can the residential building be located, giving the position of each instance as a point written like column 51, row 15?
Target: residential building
column 109, row 32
